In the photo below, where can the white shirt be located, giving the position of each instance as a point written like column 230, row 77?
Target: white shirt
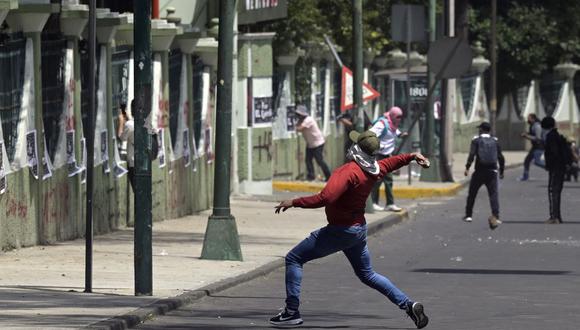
column 129, row 136
column 387, row 140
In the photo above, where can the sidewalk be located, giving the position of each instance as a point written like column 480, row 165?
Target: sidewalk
column 42, row 287
column 417, row 189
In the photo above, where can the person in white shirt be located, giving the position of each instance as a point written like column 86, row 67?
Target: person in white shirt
column 314, row 142
column 386, row 127
column 126, row 132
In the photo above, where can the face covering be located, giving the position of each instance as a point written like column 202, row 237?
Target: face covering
column 366, row 162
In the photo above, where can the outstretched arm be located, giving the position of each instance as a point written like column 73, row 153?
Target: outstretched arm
column 337, row 184
column 395, row 162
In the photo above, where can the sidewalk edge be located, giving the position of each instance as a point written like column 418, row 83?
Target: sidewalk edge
column 165, row 305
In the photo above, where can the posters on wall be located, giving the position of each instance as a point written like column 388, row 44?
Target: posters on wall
column 104, row 149
column 73, row 168
column 291, row 119
column 208, row 144
column 118, row 170
column 46, row 164
column 2, row 172
column 32, row 153
column 319, row 106
column 195, row 152
column 84, row 160
column 263, row 113
column 186, row 152
column 161, row 144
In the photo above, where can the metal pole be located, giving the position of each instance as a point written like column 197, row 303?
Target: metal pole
column 143, row 216
column 408, row 39
column 493, row 98
column 357, row 50
column 221, row 240
column 90, row 146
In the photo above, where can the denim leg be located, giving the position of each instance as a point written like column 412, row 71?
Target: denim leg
column 538, row 158
column 360, row 260
column 320, row 243
column 527, row 162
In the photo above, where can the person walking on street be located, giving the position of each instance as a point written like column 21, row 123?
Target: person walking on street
column 487, row 153
column 386, row 128
column 126, row 132
column 344, row 198
column 314, row 142
column 558, row 155
column 534, row 135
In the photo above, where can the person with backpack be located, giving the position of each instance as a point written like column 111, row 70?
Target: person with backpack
column 386, row 127
column 558, row 155
column 534, row 135
column 487, row 154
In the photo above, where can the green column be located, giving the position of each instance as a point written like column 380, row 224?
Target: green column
column 221, row 240
column 143, row 216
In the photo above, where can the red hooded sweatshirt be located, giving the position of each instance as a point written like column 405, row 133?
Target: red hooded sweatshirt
column 345, row 194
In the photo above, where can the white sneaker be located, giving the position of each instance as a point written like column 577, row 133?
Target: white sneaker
column 394, row 208
column 377, row 207
column 467, row 219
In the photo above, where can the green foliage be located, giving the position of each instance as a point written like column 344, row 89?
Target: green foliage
column 530, row 41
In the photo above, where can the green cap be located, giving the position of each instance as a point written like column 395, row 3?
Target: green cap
column 367, row 141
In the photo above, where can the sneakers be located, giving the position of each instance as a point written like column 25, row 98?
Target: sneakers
column 287, row 319
column 393, row 208
column 494, row 222
column 416, row 313
column 377, row 207
column 554, row 221
column 467, row 219
column 523, row 178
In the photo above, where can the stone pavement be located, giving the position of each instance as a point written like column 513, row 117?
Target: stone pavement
column 42, row 287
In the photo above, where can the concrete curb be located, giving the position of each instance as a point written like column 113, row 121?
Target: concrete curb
column 163, row 306
column 404, row 192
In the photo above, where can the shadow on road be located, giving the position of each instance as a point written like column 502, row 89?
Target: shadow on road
column 490, row 271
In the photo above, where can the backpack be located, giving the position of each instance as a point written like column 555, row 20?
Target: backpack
column 385, row 122
column 487, row 151
column 565, row 149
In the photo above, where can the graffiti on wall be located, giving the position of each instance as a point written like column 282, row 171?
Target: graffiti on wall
column 264, row 145
column 56, row 203
column 16, row 208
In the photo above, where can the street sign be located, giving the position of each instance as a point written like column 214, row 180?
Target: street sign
column 449, row 57
column 346, row 95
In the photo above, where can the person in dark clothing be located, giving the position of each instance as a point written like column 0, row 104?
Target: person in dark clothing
column 556, row 161
column 344, row 198
column 534, row 135
column 487, row 153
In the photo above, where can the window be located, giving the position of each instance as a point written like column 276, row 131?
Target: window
column 12, row 61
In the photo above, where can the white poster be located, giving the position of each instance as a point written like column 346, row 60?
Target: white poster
column 84, row 160
column 27, row 116
column 118, row 170
column 182, row 144
column 161, row 144
column 186, row 153
column 73, row 168
column 46, row 164
column 67, row 121
column 104, row 150
column 2, row 172
column 101, row 121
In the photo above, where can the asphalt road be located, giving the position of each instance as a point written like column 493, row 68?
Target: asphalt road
column 524, row 275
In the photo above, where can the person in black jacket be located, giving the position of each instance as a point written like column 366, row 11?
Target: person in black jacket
column 556, row 161
column 487, row 154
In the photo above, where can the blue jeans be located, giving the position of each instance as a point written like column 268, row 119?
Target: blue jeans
column 536, row 155
column 352, row 241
